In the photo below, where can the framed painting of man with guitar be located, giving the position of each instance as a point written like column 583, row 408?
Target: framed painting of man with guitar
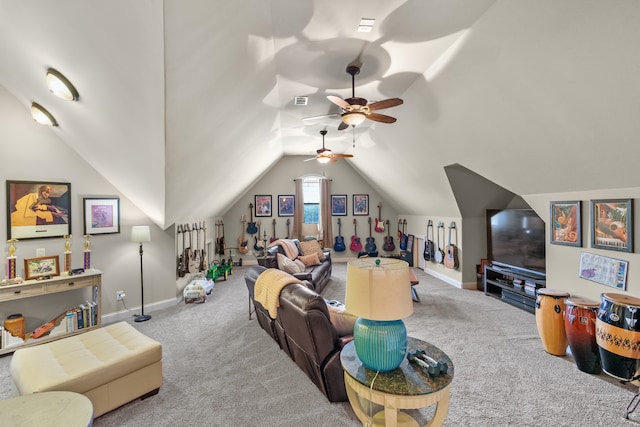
column 339, row 205
column 286, row 204
column 361, row 204
column 263, row 205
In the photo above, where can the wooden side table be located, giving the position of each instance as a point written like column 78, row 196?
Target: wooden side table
column 406, row 387
column 52, row 408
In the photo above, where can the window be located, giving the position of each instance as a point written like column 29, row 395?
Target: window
column 311, row 194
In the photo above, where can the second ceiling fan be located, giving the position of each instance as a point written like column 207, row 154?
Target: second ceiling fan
column 356, row 110
column 325, row 155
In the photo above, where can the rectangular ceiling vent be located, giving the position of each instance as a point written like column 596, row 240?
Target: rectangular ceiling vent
column 300, row 100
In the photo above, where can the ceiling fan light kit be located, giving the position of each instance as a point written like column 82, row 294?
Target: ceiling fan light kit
column 325, row 155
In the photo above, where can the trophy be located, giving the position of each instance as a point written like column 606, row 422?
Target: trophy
column 11, row 259
column 87, row 252
column 67, row 253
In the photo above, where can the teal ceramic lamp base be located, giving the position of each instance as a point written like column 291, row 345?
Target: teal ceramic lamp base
column 381, row 345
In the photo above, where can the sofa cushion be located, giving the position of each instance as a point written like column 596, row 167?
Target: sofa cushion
column 310, row 260
column 342, row 320
column 310, row 247
column 287, row 265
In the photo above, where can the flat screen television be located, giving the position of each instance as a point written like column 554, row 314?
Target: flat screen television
column 516, row 239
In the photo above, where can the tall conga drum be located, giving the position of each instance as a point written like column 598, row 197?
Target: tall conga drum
column 618, row 335
column 580, row 325
column 549, row 319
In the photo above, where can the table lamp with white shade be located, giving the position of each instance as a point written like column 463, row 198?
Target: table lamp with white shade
column 139, row 234
column 379, row 293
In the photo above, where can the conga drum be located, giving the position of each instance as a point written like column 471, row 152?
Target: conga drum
column 580, row 326
column 618, row 335
column 549, row 319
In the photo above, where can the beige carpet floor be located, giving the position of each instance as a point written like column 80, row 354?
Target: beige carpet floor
column 221, row 369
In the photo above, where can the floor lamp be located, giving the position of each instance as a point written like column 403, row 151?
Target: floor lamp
column 139, row 234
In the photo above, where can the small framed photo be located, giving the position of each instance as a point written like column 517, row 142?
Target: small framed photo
column 263, row 205
column 566, row 226
column 361, row 204
column 101, row 215
column 611, row 224
column 40, row 267
column 38, row 209
column 339, row 205
column 286, row 205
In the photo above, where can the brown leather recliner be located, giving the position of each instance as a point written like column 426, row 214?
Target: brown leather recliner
column 303, row 329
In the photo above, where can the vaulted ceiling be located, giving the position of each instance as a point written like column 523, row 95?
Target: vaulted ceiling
column 536, row 96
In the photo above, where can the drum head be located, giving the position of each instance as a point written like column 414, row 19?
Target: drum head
column 621, row 299
column 581, row 302
column 552, row 292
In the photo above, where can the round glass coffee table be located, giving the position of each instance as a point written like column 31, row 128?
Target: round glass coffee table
column 51, row 408
column 406, row 387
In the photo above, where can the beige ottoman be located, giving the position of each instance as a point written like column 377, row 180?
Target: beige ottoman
column 111, row 366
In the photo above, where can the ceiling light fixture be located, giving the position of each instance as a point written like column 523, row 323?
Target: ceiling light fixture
column 60, row 86
column 324, row 159
column 353, row 118
column 42, row 116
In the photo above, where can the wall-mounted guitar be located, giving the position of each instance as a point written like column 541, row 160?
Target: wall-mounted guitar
column 379, row 221
column 259, row 244
column 405, row 238
column 221, row 238
column 192, row 260
column 388, row 245
column 204, row 257
column 339, row 245
column 288, row 228
column 428, row 253
column 242, row 242
column 194, row 265
column 439, row 254
column 181, row 269
column 451, row 257
column 273, row 238
column 356, row 244
column 370, row 246
column 251, row 227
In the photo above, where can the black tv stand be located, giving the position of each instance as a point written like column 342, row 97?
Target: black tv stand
column 513, row 286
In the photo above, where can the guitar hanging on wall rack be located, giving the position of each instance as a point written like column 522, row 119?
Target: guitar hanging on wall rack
column 451, row 258
column 204, row 262
column 339, row 245
column 356, row 244
column 405, row 238
column 379, row 221
column 370, row 246
column 439, row 254
column 251, row 227
column 192, row 258
column 180, row 256
column 242, row 242
column 273, row 238
column 185, row 253
column 388, row 245
column 428, row 243
column 194, row 265
column 221, row 247
column 259, row 244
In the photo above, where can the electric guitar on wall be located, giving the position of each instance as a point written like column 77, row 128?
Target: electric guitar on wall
column 439, row 257
column 195, row 255
column 184, row 258
column 370, row 246
column 388, row 245
column 428, row 243
column 259, row 244
column 288, row 228
column 242, row 242
column 379, row 221
column 356, row 245
column 251, row 227
column 339, row 245
column 193, row 266
column 405, row 238
column 221, row 247
column 451, row 258
column 180, row 261
column 273, row 238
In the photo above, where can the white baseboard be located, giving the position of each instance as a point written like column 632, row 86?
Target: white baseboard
column 119, row 316
column 446, row 279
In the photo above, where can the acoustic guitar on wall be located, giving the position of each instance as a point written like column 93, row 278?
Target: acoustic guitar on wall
column 428, row 243
column 451, row 257
column 370, row 246
column 356, row 244
column 339, row 245
column 388, row 245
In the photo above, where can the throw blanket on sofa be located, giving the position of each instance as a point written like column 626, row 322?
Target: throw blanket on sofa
column 289, row 247
column 268, row 287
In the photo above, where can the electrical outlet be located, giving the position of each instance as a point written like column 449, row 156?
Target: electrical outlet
column 119, row 295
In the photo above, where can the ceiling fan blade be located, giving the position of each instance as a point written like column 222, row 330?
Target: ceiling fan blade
column 342, row 126
column 342, row 156
column 381, row 118
column 310, row 158
column 339, row 102
column 321, row 116
column 387, row 103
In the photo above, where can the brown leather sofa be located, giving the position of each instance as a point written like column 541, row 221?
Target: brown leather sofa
column 317, row 275
column 304, row 331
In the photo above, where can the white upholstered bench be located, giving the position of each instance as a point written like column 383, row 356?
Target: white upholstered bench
column 112, row 365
